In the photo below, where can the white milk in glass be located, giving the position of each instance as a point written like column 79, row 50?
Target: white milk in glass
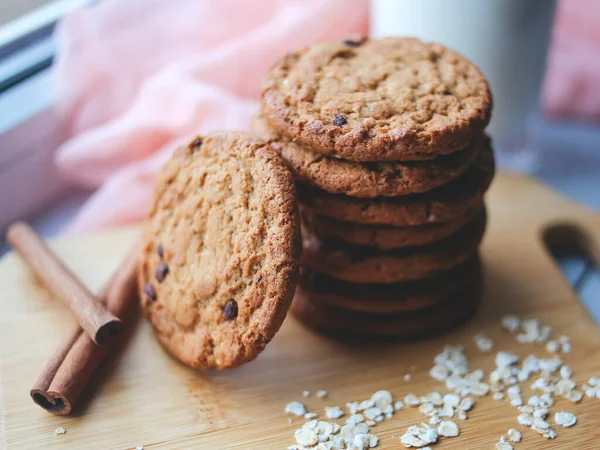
column 507, row 39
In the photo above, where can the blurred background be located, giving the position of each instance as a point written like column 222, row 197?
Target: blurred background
column 94, row 95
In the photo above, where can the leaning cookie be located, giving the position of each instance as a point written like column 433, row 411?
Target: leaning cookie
column 370, row 265
column 391, row 99
column 221, row 250
column 372, row 179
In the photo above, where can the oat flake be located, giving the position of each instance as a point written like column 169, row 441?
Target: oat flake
column 514, row 435
column 333, row 412
column 448, row 429
column 322, row 394
column 565, row 419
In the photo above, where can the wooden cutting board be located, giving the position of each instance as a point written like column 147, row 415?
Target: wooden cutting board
column 143, row 397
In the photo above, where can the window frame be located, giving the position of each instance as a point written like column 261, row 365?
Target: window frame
column 29, row 129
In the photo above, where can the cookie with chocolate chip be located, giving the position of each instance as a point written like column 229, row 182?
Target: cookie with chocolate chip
column 221, row 250
column 360, row 264
column 391, row 99
column 368, row 179
column 444, row 204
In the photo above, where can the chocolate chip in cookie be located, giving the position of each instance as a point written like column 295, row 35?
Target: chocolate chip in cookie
column 340, row 120
column 230, row 310
column 161, row 272
column 354, row 42
column 149, row 291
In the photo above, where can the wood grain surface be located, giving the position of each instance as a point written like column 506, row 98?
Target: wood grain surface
column 143, row 397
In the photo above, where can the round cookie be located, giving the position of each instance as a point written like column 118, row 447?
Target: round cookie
column 457, row 308
column 386, row 298
column 221, row 249
column 444, row 204
column 368, row 179
column 377, row 100
column 383, row 237
column 369, row 265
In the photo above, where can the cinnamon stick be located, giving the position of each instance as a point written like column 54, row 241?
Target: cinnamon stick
column 93, row 317
column 68, row 371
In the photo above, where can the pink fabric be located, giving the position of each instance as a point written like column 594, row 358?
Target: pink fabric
column 572, row 86
column 135, row 78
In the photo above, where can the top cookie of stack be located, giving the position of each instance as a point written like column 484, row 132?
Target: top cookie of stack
column 394, row 99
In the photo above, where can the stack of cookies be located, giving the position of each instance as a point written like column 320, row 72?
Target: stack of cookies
column 386, row 141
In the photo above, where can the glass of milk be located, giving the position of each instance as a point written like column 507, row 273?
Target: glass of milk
column 507, row 39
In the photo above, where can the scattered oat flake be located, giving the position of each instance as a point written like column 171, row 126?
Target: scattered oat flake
column 412, row 400
column 407, row 377
column 504, row 446
column 550, row 365
column 353, row 407
column 373, row 440
column 322, row 394
column 511, row 323
column 384, row 401
column 506, row 359
column 366, row 404
column 525, row 419
column 306, row 394
column 296, row 408
column 565, row 372
column 310, row 415
column 565, row 419
column 439, row 372
column 565, row 343
column 574, row 396
column 548, row 434
column 447, row 428
column 365, row 441
column 60, row 430
column 306, row 436
column 139, row 447
column 483, row 343
column 451, row 399
column 514, row 435
column 553, row 346
column 466, row 404
column 333, row 412
column 516, row 401
column 354, row 419
column 372, row 413
column 398, row 405
column 349, row 431
column 434, row 420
